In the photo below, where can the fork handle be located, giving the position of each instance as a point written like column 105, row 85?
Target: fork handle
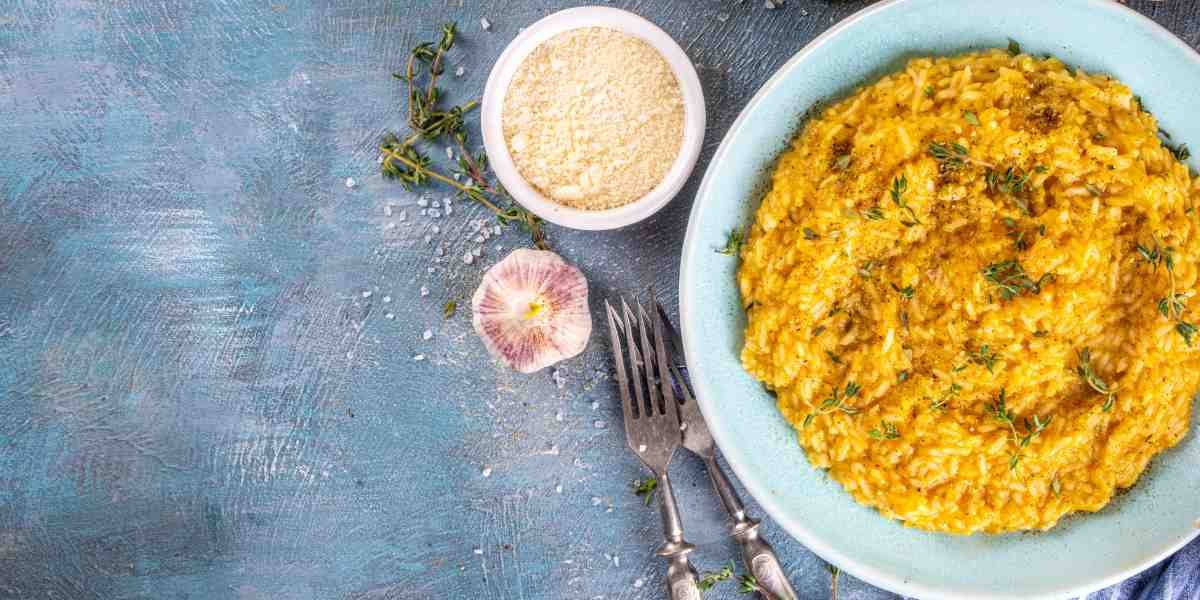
column 682, row 581
column 757, row 554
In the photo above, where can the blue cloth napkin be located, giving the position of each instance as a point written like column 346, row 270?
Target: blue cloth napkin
column 1176, row 578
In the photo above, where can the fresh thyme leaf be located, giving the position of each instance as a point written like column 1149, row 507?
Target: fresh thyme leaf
column 1056, row 486
column 1011, row 280
column 1041, row 333
column 1095, row 190
column 951, row 156
column 1098, row 136
column 971, row 118
column 1013, row 183
column 710, row 578
column 902, row 376
column 1187, row 330
column 899, row 186
column 866, row 269
column 1173, row 308
column 842, row 162
column 1013, row 47
column 1089, row 376
column 808, row 419
column 748, row 584
column 886, row 431
column 907, row 292
column 941, row 401
column 810, row 235
column 449, row 308
column 999, row 409
column 645, row 488
column 928, row 91
column 837, row 401
column 733, row 244
column 959, row 368
column 873, row 214
column 1180, row 152
column 818, row 330
column 1000, row 412
column 852, row 389
column 837, row 360
column 985, row 357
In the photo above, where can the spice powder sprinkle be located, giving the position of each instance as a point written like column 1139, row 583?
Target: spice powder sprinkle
column 593, row 118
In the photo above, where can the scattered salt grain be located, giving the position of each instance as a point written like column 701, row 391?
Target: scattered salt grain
column 431, row 270
column 428, row 239
column 427, row 334
column 596, row 500
column 558, row 416
column 723, row 17
column 496, row 230
column 558, row 489
column 366, row 293
column 449, row 153
column 390, row 226
column 437, row 229
column 616, row 561
column 770, row 4
column 600, row 424
column 402, row 216
column 422, row 202
column 641, row 447
column 459, row 72
column 424, row 291
column 479, row 551
column 595, row 405
column 560, row 380
column 434, row 213
column 435, row 204
column 478, row 251
column 485, row 24
column 447, row 209
column 387, row 210
column 487, row 472
column 350, row 182
column 638, row 583
column 419, row 357
column 608, row 510
column 468, row 258
column 387, row 299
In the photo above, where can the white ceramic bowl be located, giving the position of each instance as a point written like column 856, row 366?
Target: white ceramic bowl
column 502, row 74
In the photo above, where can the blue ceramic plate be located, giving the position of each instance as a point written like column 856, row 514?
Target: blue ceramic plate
column 1156, row 517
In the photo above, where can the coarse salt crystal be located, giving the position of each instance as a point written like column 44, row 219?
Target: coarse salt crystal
column 366, row 293
column 390, row 226
column 459, row 72
column 424, row 291
column 558, row 416
column 434, row 213
column 402, row 216
column 431, row 270
column 350, row 182
column 387, row 299
column 435, row 204
column 478, row 251
column 616, row 561
column 496, row 230
column 638, row 583
column 447, row 210
column 595, row 405
column 468, row 258
column 558, row 489
column 387, row 210
column 485, row 24
column 437, row 229
column 422, row 202
column 428, row 239
column 427, row 334
column 419, row 357
column 596, row 500
column 479, row 551
column 487, row 472
column 599, row 424
column 449, row 153
column 390, row 316
column 641, row 447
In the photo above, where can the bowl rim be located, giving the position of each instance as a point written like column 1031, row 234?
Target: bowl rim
column 491, row 108
column 759, row 490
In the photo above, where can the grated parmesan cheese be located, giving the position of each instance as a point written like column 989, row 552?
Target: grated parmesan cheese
column 593, row 118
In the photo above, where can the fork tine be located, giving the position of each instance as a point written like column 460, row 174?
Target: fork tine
column 619, row 359
column 664, row 376
column 648, row 356
column 635, row 359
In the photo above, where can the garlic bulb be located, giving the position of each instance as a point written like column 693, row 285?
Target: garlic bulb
column 531, row 310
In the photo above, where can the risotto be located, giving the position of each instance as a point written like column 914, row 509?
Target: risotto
column 969, row 287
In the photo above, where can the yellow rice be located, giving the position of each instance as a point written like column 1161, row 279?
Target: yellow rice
column 829, row 260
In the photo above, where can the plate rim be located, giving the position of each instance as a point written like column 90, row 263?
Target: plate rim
column 794, row 528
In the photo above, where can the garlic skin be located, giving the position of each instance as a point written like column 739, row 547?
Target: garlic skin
column 531, row 310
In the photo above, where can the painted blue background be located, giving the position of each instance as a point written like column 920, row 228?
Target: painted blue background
column 208, row 383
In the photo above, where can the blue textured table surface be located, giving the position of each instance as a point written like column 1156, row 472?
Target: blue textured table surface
column 208, row 342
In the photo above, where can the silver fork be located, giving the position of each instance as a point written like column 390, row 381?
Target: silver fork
column 758, row 555
column 652, row 431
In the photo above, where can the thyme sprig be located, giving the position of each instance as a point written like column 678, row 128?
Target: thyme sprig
column 1089, row 376
column 748, row 584
column 1013, row 183
column 1010, row 278
column 953, row 156
column 985, row 357
column 710, row 578
column 645, row 488
column 1172, row 305
column 1000, row 412
column 899, row 186
column 430, row 122
column 885, row 431
column 836, row 401
column 733, row 243
column 942, row 401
